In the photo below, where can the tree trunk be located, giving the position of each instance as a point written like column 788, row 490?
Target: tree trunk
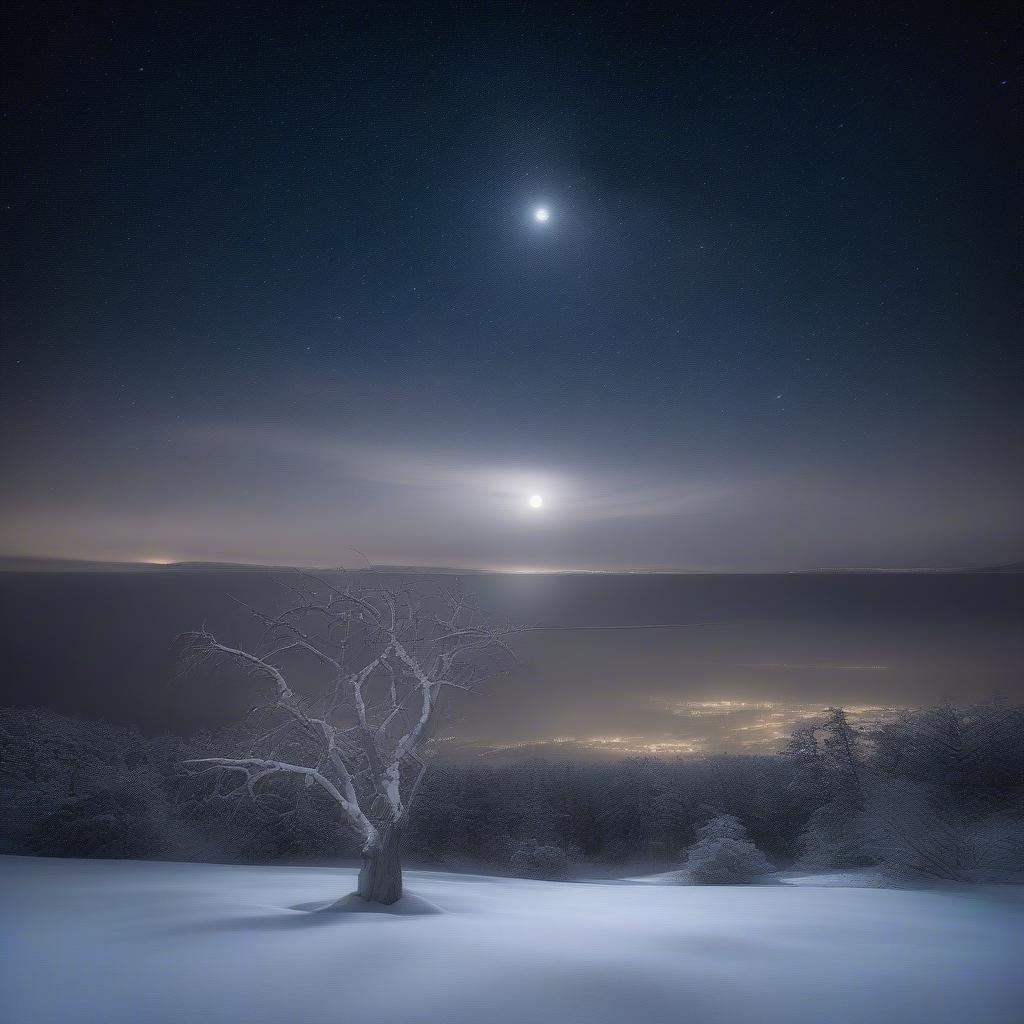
column 380, row 877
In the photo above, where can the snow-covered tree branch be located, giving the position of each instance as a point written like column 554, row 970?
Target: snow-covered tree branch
column 391, row 656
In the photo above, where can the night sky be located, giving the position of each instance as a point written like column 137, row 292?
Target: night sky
column 273, row 287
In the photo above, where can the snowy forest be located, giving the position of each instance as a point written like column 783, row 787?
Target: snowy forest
column 936, row 794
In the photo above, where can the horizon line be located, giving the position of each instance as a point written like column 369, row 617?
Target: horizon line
column 57, row 563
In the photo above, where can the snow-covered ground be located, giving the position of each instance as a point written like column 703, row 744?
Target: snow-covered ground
column 142, row 943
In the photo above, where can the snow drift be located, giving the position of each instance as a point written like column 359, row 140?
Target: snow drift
column 124, row 942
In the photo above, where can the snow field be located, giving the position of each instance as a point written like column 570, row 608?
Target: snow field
column 126, row 942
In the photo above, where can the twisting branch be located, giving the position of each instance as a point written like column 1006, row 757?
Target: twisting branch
column 388, row 656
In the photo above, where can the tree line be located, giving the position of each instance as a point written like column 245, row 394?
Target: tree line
column 936, row 793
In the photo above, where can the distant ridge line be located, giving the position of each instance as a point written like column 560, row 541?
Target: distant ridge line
column 42, row 564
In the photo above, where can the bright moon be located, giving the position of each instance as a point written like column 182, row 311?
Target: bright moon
column 536, row 501
column 541, row 215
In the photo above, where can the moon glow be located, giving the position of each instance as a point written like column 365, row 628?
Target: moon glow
column 536, row 501
column 541, row 215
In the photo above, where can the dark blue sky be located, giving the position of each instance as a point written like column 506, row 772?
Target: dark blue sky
column 272, row 287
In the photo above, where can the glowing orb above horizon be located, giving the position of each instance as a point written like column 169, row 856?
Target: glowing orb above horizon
column 536, row 501
column 542, row 215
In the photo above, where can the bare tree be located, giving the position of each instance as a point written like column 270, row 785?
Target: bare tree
column 391, row 656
